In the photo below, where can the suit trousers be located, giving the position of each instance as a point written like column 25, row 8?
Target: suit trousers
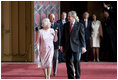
column 88, row 49
column 55, row 61
column 69, row 65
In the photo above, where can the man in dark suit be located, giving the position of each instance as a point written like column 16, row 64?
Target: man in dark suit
column 61, row 23
column 72, row 39
column 109, row 37
column 55, row 26
column 87, row 25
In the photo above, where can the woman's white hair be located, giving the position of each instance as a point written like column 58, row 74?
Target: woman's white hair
column 45, row 22
column 77, row 18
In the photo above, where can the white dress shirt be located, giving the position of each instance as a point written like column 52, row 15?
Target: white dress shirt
column 86, row 22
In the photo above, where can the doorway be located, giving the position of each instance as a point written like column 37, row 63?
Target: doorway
column 17, row 31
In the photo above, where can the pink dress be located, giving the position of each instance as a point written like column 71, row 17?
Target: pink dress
column 46, row 48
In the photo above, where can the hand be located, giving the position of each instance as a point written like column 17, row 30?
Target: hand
column 83, row 50
column 55, row 36
column 56, row 32
column 105, row 5
column 61, row 48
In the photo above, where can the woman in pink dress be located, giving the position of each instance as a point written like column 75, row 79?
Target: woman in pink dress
column 46, row 36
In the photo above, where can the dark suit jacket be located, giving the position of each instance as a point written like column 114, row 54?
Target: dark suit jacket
column 60, row 24
column 74, row 40
column 88, row 29
column 56, row 26
column 61, row 27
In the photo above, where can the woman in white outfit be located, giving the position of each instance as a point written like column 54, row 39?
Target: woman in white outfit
column 96, row 33
column 46, row 36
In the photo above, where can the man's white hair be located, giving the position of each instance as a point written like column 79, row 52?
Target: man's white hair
column 64, row 13
column 45, row 22
column 73, row 13
column 86, row 13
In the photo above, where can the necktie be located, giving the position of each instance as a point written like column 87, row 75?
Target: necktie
column 71, row 26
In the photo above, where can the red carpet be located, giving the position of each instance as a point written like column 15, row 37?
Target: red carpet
column 89, row 70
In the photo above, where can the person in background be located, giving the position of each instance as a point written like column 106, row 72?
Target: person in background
column 87, row 25
column 61, row 22
column 45, row 39
column 96, row 34
column 55, row 26
column 72, row 39
column 110, row 37
column 111, row 7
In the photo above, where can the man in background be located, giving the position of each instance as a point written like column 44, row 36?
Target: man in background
column 61, row 23
column 87, row 25
column 109, row 37
column 55, row 26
